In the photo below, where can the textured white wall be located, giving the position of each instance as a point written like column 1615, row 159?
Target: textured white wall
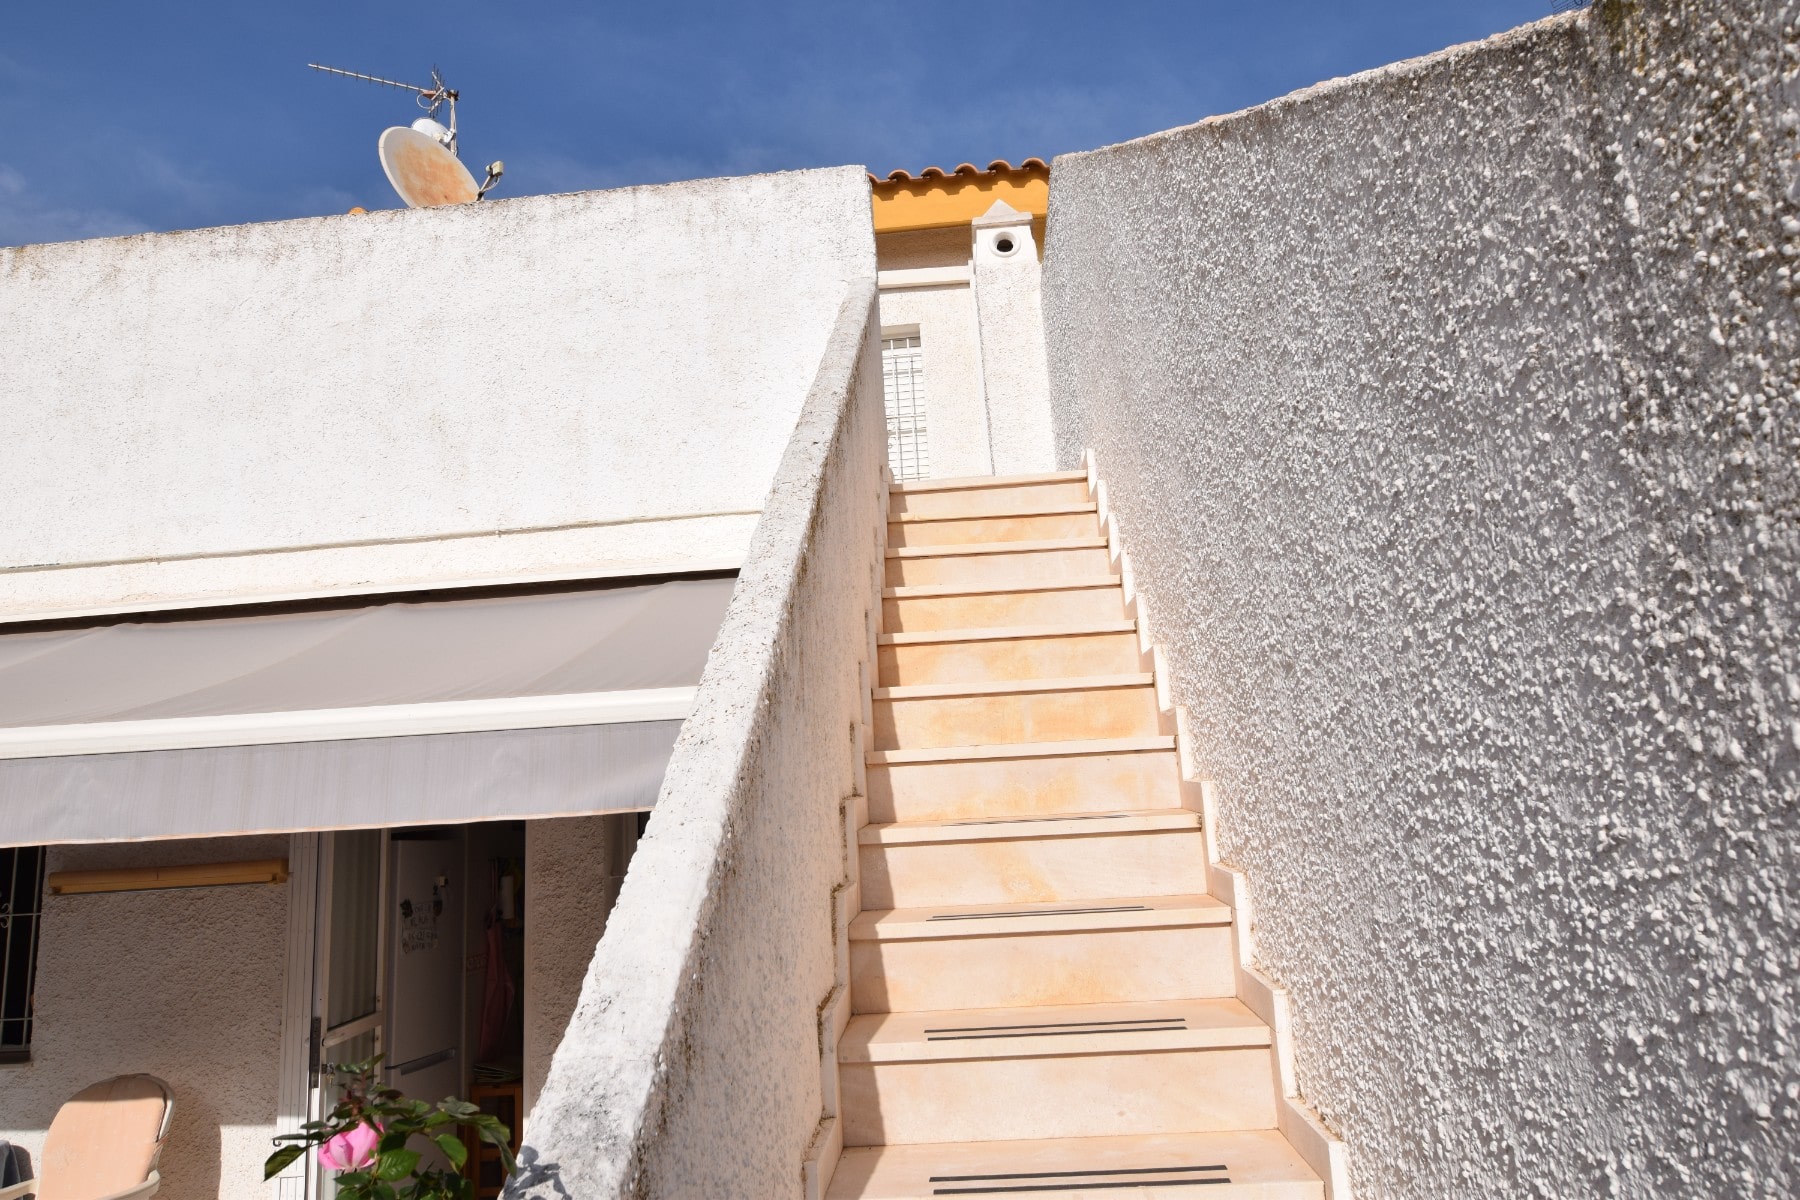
column 1009, row 301
column 1449, row 413
column 955, row 410
column 573, row 869
column 510, row 387
column 693, row 1063
column 185, row 985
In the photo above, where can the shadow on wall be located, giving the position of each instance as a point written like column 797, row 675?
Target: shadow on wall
column 536, row 1177
column 192, row 1156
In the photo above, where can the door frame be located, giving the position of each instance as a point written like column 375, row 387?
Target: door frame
column 306, row 1043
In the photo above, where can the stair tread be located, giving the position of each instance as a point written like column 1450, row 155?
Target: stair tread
column 964, row 483
column 972, row 549
column 1052, row 1030
column 1257, row 1164
column 1055, row 509
column 999, row 633
column 927, row 591
column 1054, row 825
column 1011, row 687
column 1089, row 746
column 1055, row 916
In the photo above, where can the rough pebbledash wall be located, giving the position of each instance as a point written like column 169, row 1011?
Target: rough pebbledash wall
column 1449, row 414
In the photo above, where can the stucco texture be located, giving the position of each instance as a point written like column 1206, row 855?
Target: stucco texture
column 692, row 1064
column 1449, row 416
column 482, row 390
column 183, row 984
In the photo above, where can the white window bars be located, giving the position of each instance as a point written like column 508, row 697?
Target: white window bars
column 903, row 387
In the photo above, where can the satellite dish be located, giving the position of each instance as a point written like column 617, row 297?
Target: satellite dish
column 423, row 170
column 421, row 161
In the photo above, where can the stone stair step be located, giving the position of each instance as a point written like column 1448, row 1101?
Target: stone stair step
column 963, row 483
column 1071, row 522
column 1010, row 497
column 1055, row 1071
column 925, row 715
column 1060, row 857
column 1023, row 780
column 1038, row 652
column 1060, row 953
column 987, row 606
column 1233, row 1165
column 997, row 562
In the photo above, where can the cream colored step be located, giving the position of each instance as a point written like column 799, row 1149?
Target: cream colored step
column 1236, row 1165
column 1055, row 1071
column 1062, row 858
column 987, row 606
column 1026, row 780
column 1014, row 653
column 998, row 562
column 1022, row 955
column 963, row 483
column 1020, row 652
column 965, row 714
column 1082, row 521
column 1001, row 497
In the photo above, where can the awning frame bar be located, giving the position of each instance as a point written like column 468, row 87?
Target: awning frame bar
column 345, row 724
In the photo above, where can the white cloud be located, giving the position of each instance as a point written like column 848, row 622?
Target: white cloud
column 27, row 216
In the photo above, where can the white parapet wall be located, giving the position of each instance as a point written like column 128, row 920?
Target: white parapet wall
column 701, row 1056
column 1449, row 414
column 600, row 382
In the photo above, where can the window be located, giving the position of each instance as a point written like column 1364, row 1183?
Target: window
column 903, row 386
column 21, row 906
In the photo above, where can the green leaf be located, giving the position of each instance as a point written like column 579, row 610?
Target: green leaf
column 395, row 1164
column 277, row 1162
column 453, row 1149
column 462, row 1110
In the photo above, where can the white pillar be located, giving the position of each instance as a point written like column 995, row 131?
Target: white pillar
column 1009, row 305
column 573, row 867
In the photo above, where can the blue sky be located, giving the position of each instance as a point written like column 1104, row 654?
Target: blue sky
column 123, row 117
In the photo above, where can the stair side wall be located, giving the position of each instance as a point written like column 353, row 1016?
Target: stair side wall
column 700, row 1060
column 1449, row 413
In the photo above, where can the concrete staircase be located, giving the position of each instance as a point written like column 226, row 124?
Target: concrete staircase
column 1044, row 992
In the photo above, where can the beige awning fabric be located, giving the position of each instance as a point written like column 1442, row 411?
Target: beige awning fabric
column 456, row 708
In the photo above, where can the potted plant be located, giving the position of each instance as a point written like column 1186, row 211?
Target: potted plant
column 365, row 1139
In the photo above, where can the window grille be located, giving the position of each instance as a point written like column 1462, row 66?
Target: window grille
column 21, row 908
column 903, row 387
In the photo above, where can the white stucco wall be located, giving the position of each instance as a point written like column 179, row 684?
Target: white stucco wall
column 1449, row 415
column 1009, row 304
column 573, row 869
column 698, row 1059
column 602, row 380
column 950, row 347
column 185, row 985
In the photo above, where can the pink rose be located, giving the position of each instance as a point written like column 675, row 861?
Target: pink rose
column 351, row 1150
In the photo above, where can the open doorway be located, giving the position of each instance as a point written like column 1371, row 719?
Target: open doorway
column 456, row 953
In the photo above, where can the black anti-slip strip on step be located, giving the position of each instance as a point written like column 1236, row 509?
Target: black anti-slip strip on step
column 1085, row 1187
column 989, row 1037
column 1062, row 1025
column 1041, row 912
column 1073, row 1174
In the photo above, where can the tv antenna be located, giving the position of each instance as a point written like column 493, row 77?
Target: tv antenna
column 421, row 160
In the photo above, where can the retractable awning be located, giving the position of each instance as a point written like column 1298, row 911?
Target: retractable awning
column 370, row 713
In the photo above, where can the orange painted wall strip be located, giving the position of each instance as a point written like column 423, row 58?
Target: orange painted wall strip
column 956, row 200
